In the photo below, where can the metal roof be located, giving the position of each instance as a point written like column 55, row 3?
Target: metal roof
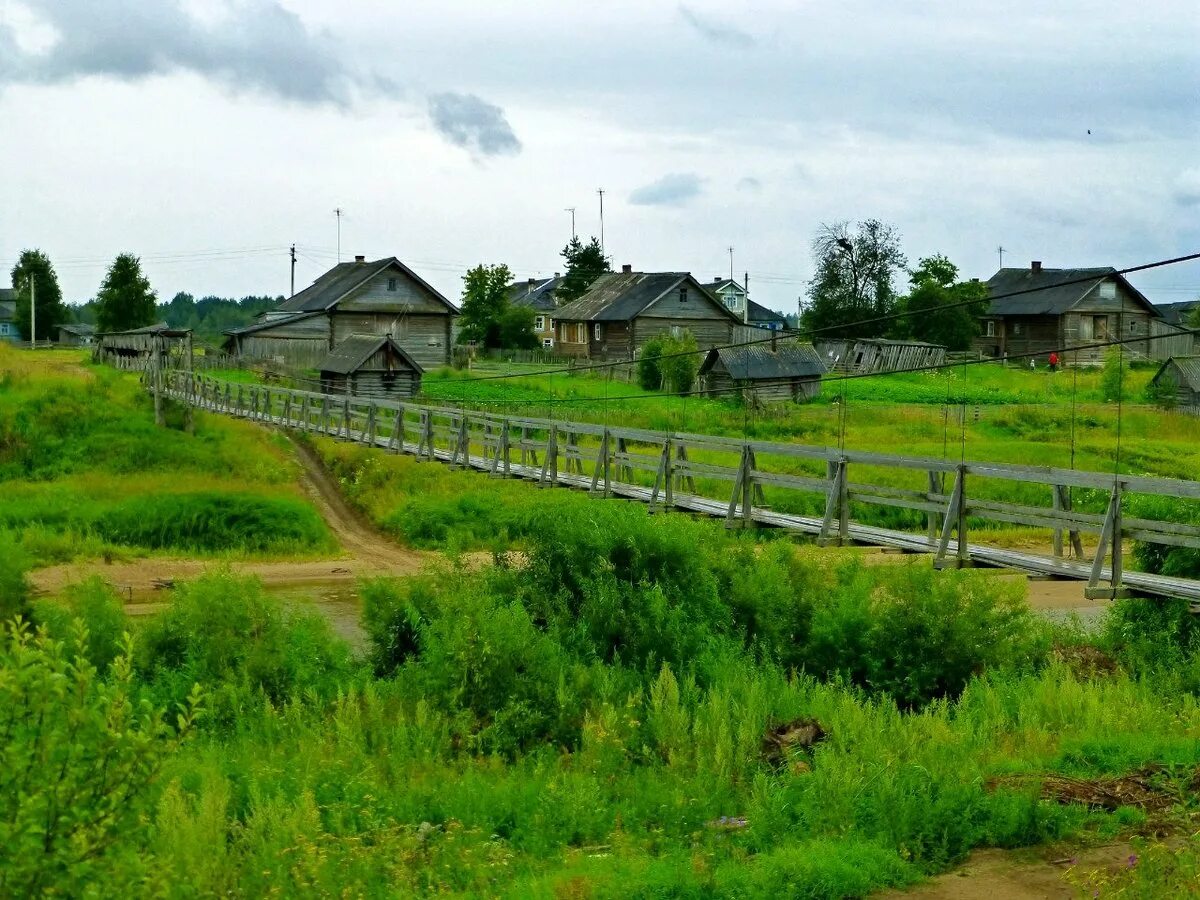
column 78, row 328
column 621, row 296
column 759, row 361
column 536, row 293
column 335, row 284
column 1051, row 291
column 352, row 353
column 1188, row 368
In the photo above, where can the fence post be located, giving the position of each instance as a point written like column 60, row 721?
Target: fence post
column 371, row 424
column 1110, row 537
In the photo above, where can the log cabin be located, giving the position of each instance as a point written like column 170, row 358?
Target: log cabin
column 1182, row 373
column 367, row 365
column 623, row 310
column 763, row 373
column 380, row 297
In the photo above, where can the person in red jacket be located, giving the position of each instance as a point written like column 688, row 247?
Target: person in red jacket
column 1053, row 361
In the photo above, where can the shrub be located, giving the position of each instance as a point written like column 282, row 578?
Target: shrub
column 1163, row 394
column 81, row 760
column 96, row 606
column 649, row 370
column 14, row 588
column 1112, row 379
column 660, row 368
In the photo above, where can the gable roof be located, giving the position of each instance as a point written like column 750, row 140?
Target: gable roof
column 1176, row 313
column 1188, row 368
column 352, row 353
column 328, row 290
column 535, row 293
column 621, row 296
column 8, row 310
column 1050, row 292
column 759, row 313
column 758, row 361
column 718, row 284
column 80, row 328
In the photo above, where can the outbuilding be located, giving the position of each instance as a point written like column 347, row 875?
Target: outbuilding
column 764, row 372
column 1184, row 373
column 370, row 365
column 867, row 356
column 76, row 335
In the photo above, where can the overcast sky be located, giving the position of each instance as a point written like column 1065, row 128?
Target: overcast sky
column 207, row 136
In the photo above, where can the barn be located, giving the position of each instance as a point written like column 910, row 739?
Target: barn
column 135, row 348
column 1184, row 373
column 865, row 356
column 778, row 372
column 370, row 365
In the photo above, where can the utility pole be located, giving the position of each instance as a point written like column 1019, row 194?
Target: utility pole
column 571, row 210
column 338, row 212
column 1000, row 250
column 32, row 313
column 731, row 263
column 293, row 291
column 601, row 193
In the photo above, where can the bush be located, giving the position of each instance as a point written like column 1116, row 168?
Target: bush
column 1163, row 394
column 649, row 371
column 1112, row 379
column 14, row 588
column 95, row 606
column 674, row 373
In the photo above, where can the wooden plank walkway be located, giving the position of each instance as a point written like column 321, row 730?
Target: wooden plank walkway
column 686, row 471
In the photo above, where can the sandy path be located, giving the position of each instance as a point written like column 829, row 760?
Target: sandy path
column 366, row 552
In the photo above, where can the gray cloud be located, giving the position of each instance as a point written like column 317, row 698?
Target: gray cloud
column 717, row 32
column 257, row 45
column 749, row 183
column 671, row 190
column 1187, row 188
column 475, row 124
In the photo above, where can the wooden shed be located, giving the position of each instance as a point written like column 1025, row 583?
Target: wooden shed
column 134, row 349
column 76, row 335
column 775, row 372
column 1184, row 373
column 370, row 365
column 864, row 356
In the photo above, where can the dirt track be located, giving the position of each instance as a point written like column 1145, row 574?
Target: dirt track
column 366, row 552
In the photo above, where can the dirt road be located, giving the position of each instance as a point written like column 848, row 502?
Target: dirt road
column 365, row 553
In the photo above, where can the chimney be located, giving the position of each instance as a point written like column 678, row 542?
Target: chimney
column 1035, row 266
column 558, row 275
column 360, row 259
column 627, row 269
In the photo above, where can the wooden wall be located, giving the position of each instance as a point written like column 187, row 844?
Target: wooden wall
column 377, row 384
column 765, row 390
column 426, row 338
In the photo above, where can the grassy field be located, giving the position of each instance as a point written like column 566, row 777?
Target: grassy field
column 84, row 471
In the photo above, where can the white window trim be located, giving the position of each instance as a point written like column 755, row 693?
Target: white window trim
column 991, row 328
column 598, row 331
column 539, row 323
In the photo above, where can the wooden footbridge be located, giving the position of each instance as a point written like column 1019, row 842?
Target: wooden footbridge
column 945, row 508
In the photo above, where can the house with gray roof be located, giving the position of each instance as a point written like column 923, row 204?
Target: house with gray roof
column 8, row 315
column 1037, row 310
column 366, row 365
column 1178, row 314
column 623, row 310
column 736, row 298
column 777, row 371
column 381, row 297
column 539, row 295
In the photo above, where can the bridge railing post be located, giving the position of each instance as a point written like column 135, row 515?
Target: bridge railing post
column 1110, row 544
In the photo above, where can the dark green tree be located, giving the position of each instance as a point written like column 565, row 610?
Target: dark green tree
column 484, row 303
column 854, row 280
column 934, row 308
column 49, row 309
column 585, row 263
column 516, row 328
column 1193, row 316
column 125, row 299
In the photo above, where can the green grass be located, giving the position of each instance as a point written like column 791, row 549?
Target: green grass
column 84, row 471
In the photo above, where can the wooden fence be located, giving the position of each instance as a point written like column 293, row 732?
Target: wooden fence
column 943, row 507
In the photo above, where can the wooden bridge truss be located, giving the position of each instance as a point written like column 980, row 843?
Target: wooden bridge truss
column 811, row 487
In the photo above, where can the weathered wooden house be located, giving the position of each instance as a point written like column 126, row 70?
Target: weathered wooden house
column 623, row 310
column 736, row 298
column 1036, row 310
column 539, row 295
column 135, row 348
column 865, row 356
column 76, row 335
column 8, row 315
column 1184, row 373
column 368, row 365
column 381, row 297
column 781, row 371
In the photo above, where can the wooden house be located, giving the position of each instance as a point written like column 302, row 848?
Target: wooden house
column 368, row 365
column 76, row 335
column 134, row 349
column 1036, row 310
column 1184, row 373
column 865, row 356
column 623, row 310
column 8, row 315
column 539, row 295
column 781, row 371
column 736, row 298
column 382, row 297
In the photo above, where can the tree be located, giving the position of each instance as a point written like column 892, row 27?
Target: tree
column 1193, row 316
column 934, row 305
column 854, row 280
column 125, row 299
column 516, row 328
column 49, row 309
column 484, row 303
column 669, row 363
column 585, row 263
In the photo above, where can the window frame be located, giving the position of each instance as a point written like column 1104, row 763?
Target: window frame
column 598, row 331
column 990, row 328
column 393, row 284
column 539, row 323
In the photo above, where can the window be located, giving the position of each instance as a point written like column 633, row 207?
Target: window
column 539, row 323
column 598, row 331
column 391, row 284
column 991, row 328
column 1016, row 328
column 1108, row 290
column 731, row 302
column 683, row 295
column 547, row 342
